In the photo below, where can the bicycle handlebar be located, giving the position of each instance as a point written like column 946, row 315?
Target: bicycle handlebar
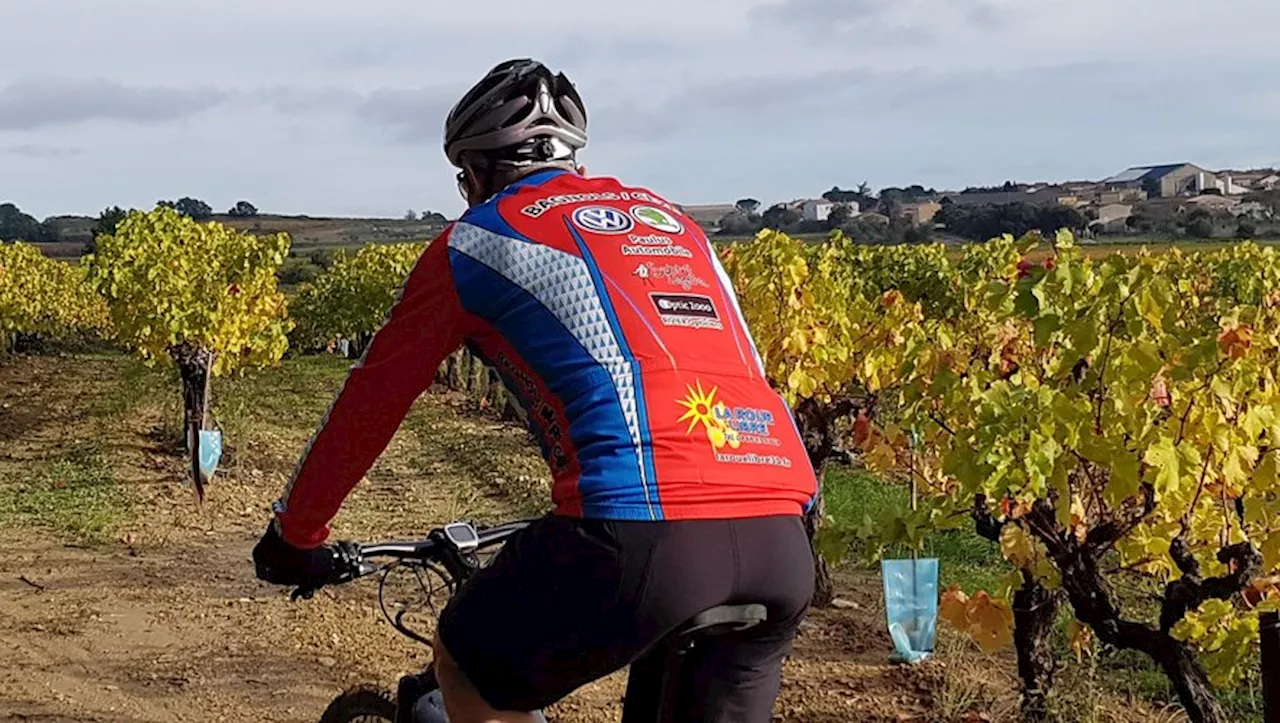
column 436, row 543
column 436, row 547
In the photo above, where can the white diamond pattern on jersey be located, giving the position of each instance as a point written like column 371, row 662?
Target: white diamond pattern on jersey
column 562, row 283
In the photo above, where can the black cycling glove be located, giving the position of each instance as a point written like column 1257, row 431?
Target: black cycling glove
column 280, row 563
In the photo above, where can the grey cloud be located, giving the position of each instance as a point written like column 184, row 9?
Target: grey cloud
column 580, row 49
column 356, row 58
column 47, row 102
column 411, row 116
column 828, row 18
column 34, row 104
column 36, row 150
column 733, row 103
column 1070, row 98
column 879, row 21
column 288, row 99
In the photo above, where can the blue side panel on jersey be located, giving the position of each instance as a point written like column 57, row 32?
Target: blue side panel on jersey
column 597, row 427
column 486, row 215
column 544, row 445
column 650, row 475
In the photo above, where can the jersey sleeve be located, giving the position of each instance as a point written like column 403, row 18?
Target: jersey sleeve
column 423, row 327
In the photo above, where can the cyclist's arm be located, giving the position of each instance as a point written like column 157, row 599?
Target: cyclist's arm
column 423, row 328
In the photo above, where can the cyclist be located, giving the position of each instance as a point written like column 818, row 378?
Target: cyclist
column 680, row 479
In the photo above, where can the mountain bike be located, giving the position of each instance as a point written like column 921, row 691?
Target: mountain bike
column 453, row 553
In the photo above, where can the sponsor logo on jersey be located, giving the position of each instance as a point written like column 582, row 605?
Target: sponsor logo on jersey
column 728, row 428
column 656, row 218
column 654, row 245
column 681, row 275
column 546, row 203
column 602, row 219
column 693, row 311
column 542, row 204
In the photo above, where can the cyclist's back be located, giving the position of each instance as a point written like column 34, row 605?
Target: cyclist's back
column 679, row 478
column 608, row 313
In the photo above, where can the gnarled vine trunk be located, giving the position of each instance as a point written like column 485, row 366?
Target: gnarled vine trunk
column 824, row 587
column 1035, row 608
column 1095, row 603
column 194, row 364
column 819, row 428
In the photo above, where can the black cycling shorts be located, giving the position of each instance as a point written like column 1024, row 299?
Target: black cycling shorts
column 568, row 601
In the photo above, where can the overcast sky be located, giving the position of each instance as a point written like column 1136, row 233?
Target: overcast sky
column 335, row 108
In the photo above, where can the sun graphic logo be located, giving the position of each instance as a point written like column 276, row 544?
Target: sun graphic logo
column 701, row 408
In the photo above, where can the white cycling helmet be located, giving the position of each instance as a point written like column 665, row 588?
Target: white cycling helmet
column 518, row 115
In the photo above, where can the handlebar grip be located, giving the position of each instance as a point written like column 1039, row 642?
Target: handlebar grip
column 348, row 564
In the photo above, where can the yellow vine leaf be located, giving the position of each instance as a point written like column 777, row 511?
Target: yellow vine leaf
column 990, row 622
column 1017, row 547
column 1081, row 639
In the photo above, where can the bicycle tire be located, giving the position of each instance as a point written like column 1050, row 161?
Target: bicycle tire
column 361, row 703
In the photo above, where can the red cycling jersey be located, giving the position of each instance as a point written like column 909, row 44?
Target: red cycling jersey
column 608, row 315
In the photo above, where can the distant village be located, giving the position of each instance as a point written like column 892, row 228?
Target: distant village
column 1140, row 199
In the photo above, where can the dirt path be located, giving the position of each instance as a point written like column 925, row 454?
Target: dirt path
column 158, row 617
column 109, row 635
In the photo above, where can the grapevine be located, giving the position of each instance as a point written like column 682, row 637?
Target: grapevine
column 352, row 298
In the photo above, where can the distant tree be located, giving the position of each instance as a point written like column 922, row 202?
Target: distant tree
column 890, row 203
column 108, row 220
column 738, row 223
column 840, row 215
column 16, row 225
column 1270, row 199
column 780, row 216
column 411, row 215
column 434, row 217
column 243, row 209
column 980, row 222
column 104, row 225
column 1053, row 218
column 192, row 208
column 325, row 258
column 909, row 193
column 1200, row 226
column 839, row 195
column 918, row 234
column 298, row 271
column 866, row 230
column 1006, row 186
column 749, row 206
column 1197, row 214
column 861, row 196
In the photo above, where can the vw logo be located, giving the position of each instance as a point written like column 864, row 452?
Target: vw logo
column 602, row 219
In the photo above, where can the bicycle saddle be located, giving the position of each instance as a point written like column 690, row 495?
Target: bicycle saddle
column 722, row 620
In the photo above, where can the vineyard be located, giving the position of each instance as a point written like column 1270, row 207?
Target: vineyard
column 1105, row 429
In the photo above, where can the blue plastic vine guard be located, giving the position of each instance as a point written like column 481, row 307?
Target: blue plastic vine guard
column 911, row 606
column 210, row 452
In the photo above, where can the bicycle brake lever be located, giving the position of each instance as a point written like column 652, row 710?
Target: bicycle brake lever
column 350, row 566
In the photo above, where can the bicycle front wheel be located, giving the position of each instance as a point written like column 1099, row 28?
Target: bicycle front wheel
column 361, row 704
